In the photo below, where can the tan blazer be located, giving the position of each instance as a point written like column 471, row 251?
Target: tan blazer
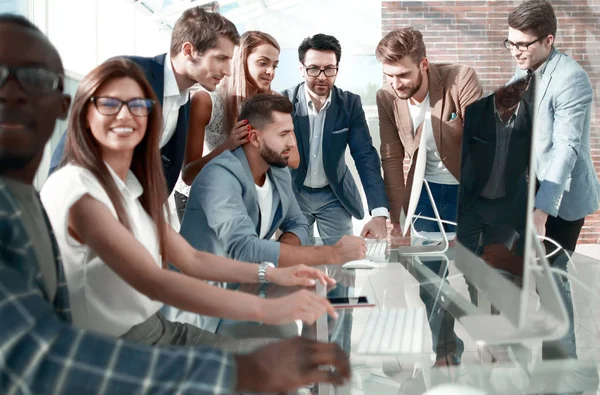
column 451, row 89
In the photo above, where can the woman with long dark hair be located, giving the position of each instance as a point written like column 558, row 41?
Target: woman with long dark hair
column 106, row 206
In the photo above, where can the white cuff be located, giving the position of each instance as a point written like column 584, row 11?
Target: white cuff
column 380, row 212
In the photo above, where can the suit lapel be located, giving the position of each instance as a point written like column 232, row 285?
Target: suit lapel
column 436, row 101
column 241, row 156
column 303, row 125
column 405, row 126
column 277, row 208
column 156, row 76
column 490, row 134
column 330, row 119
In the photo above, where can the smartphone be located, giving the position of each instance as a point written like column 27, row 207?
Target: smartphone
column 350, row 302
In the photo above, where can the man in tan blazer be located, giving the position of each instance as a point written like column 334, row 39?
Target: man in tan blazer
column 424, row 100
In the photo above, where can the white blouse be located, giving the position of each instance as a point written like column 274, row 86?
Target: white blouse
column 100, row 300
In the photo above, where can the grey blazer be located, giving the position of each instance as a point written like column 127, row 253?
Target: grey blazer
column 569, row 185
column 223, row 216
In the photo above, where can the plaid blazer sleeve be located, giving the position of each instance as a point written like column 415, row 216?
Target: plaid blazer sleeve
column 41, row 353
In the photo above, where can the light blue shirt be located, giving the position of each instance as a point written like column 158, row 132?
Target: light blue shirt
column 315, row 175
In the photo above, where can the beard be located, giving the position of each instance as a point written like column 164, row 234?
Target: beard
column 413, row 90
column 273, row 158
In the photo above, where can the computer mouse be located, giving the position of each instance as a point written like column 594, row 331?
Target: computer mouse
column 360, row 264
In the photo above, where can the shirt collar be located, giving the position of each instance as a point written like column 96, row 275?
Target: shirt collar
column 310, row 104
column 512, row 117
column 542, row 69
column 171, row 88
column 131, row 186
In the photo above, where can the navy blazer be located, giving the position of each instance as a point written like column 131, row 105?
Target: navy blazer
column 345, row 125
column 173, row 152
column 479, row 152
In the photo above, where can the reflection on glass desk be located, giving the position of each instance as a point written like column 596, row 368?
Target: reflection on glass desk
column 504, row 369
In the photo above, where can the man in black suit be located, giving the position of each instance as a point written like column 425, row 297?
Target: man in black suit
column 202, row 45
column 495, row 158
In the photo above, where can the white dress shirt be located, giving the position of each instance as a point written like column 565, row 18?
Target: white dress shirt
column 315, row 174
column 173, row 99
column 100, row 299
column 435, row 171
column 265, row 203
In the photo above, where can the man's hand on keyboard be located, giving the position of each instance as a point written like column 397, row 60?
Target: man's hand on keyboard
column 349, row 248
column 376, row 228
column 290, row 364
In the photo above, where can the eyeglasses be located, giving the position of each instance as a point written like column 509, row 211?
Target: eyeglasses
column 32, row 79
column 521, row 46
column 315, row 71
column 112, row 106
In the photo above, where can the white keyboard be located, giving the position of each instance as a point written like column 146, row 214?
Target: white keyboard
column 393, row 332
column 376, row 251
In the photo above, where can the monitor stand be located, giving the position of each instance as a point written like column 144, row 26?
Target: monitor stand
column 439, row 246
column 549, row 323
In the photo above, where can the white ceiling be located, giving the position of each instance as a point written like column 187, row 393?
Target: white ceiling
column 356, row 23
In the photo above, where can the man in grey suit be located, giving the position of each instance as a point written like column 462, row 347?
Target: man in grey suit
column 326, row 121
column 241, row 197
column 568, row 184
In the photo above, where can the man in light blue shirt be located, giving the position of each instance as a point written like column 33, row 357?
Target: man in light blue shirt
column 327, row 120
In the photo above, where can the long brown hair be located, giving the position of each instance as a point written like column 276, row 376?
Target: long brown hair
column 82, row 149
column 237, row 88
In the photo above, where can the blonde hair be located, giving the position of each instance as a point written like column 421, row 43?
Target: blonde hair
column 239, row 87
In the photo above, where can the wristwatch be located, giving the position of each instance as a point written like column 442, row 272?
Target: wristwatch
column 262, row 271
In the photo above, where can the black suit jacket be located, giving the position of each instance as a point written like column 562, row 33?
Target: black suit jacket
column 479, row 151
column 173, row 152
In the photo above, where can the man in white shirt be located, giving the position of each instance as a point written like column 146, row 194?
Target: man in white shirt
column 202, row 45
column 242, row 197
column 328, row 120
column 423, row 100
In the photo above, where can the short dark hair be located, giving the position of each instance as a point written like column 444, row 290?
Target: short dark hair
column 202, row 29
column 19, row 20
column 320, row 42
column 400, row 43
column 22, row 22
column 536, row 16
column 259, row 109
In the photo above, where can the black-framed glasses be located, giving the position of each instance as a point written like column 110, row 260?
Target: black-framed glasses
column 32, row 79
column 315, row 71
column 521, row 46
column 111, row 105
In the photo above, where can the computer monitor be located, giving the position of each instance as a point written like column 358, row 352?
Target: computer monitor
column 497, row 249
column 406, row 219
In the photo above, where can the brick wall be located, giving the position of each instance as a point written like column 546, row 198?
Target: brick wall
column 471, row 33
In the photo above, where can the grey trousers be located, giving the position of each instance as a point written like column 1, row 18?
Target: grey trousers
column 157, row 330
